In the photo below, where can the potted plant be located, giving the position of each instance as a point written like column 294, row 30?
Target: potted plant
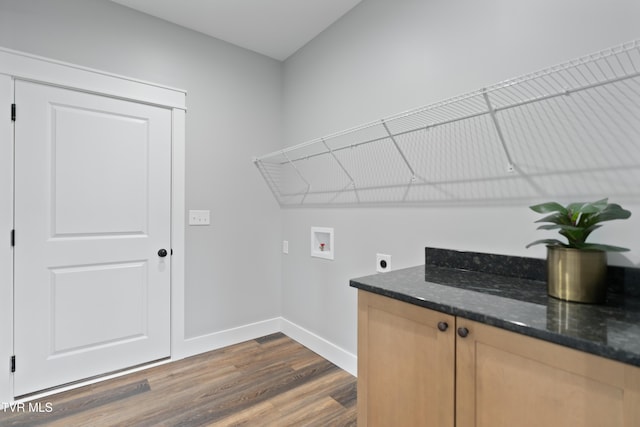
column 576, row 270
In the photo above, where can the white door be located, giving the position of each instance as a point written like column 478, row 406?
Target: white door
column 92, row 211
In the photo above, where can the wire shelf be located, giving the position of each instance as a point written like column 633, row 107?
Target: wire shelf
column 572, row 129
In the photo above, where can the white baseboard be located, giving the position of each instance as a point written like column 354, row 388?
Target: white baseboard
column 216, row 340
column 317, row 344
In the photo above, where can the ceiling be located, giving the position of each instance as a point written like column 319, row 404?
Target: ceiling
column 275, row 28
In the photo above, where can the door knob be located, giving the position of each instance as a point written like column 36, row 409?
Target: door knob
column 443, row 326
column 162, row 253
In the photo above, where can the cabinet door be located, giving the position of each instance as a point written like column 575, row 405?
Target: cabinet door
column 505, row 379
column 405, row 364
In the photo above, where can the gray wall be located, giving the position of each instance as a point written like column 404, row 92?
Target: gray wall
column 381, row 58
column 385, row 57
column 234, row 112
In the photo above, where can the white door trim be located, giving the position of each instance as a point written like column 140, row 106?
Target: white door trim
column 52, row 72
column 178, row 221
column 6, row 251
column 18, row 65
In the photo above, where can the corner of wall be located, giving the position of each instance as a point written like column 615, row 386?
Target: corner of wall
column 334, row 354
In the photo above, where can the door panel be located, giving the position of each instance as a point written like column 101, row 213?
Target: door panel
column 100, row 288
column 92, row 208
column 89, row 206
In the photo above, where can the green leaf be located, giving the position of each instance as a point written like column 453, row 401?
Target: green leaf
column 601, row 203
column 552, row 242
column 560, row 226
column 549, row 207
column 610, row 213
column 588, row 230
column 586, row 208
column 556, row 218
column 601, row 247
column 575, row 207
column 573, row 237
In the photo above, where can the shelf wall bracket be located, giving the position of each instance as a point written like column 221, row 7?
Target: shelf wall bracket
column 299, row 175
column 404, row 158
column 494, row 118
column 352, row 183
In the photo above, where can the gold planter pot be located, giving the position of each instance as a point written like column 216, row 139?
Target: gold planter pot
column 576, row 275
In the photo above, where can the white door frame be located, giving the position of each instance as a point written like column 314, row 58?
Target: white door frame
column 18, row 65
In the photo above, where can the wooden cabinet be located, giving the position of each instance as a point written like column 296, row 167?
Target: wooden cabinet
column 412, row 374
column 405, row 364
column 505, row 379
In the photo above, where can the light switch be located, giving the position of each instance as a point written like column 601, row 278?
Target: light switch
column 199, row 217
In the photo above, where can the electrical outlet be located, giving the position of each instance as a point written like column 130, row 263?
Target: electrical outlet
column 285, row 246
column 383, row 263
column 197, row 217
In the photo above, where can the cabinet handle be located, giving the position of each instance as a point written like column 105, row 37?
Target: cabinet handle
column 443, row 326
column 463, row 332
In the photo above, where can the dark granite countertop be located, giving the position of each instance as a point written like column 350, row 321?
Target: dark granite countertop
column 518, row 304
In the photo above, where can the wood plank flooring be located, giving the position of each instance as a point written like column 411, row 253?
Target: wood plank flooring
column 270, row 381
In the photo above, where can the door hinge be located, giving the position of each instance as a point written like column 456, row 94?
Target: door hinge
column 13, row 237
column 12, row 363
column 13, row 112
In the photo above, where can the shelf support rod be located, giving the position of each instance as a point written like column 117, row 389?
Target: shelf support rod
column 353, row 183
column 300, row 175
column 270, row 182
column 494, row 118
column 339, row 162
column 393, row 139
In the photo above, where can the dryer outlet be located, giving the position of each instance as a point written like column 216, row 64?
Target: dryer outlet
column 383, row 263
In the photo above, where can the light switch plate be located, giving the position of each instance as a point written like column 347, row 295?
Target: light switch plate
column 199, row 217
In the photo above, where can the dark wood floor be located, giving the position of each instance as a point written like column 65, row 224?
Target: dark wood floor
column 270, row 381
